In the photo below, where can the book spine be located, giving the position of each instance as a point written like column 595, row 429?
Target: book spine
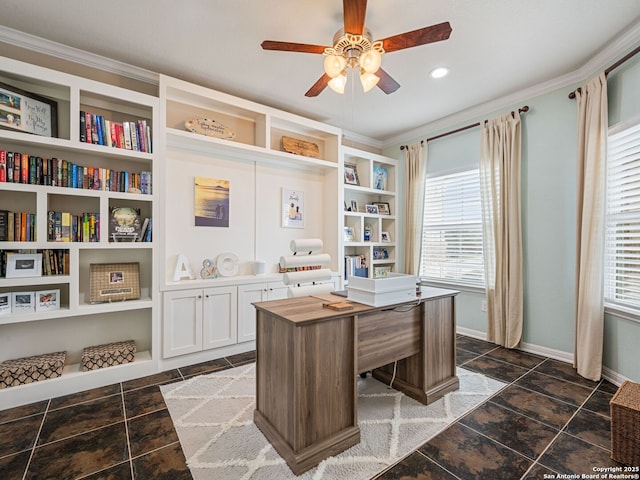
column 11, row 227
column 10, row 167
column 88, row 134
column 3, row 165
column 127, row 135
column 24, row 168
column 4, row 225
column 17, row 167
column 83, row 126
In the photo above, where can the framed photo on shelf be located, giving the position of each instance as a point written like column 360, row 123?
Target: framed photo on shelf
column 383, row 208
column 5, row 303
column 47, row 300
column 372, row 209
column 20, row 265
column 349, row 234
column 351, row 174
column 27, row 112
column 114, row 282
column 380, row 253
column 381, row 271
column 385, row 237
column 379, row 177
column 354, row 206
column 23, row 302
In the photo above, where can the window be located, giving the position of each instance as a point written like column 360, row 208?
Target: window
column 622, row 240
column 452, row 230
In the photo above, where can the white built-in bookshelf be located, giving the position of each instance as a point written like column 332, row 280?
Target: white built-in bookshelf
column 78, row 323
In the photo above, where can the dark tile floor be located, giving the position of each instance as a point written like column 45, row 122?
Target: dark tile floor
column 548, row 420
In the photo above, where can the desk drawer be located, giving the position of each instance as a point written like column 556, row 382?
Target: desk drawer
column 385, row 336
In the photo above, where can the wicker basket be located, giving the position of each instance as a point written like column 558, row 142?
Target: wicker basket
column 31, row 369
column 108, row 355
column 625, row 424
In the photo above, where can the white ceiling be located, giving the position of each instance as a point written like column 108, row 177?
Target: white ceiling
column 497, row 48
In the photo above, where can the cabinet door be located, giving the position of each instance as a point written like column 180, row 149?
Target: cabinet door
column 247, row 294
column 220, row 317
column 182, row 331
column 276, row 291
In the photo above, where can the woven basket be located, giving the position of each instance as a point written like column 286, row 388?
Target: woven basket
column 108, row 355
column 625, row 424
column 31, row 369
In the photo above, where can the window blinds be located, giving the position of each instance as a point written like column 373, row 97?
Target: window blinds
column 452, row 230
column 622, row 240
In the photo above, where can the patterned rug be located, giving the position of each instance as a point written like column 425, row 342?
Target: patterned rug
column 213, row 415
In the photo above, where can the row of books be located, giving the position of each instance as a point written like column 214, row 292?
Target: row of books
column 56, row 172
column 66, row 227
column 355, row 266
column 17, row 226
column 54, row 261
column 128, row 135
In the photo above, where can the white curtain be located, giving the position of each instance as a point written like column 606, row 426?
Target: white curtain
column 502, row 230
column 415, row 168
column 592, row 145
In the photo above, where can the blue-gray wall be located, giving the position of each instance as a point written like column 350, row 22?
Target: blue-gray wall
column 549, row 218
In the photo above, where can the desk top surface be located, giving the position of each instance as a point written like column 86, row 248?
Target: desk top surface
column 311, row 309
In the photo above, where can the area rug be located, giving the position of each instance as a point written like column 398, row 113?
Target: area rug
column 213, row 415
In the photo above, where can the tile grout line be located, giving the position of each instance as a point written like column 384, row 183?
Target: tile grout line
column 126, row 428
column 35, row 441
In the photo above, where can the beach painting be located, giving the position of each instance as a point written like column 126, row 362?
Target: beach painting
column 211, row 202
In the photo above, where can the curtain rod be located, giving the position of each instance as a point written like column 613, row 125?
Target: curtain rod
column 628, row 56
column 461, row 129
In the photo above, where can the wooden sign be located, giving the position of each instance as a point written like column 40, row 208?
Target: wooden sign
column 210, row 128
column 300, row 147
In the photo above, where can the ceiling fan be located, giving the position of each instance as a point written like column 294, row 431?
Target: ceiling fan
column 353, row 48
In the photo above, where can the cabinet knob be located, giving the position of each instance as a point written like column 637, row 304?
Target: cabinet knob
column 199, row 296
column 206, row 296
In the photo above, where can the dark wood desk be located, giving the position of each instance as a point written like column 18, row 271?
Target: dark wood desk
column 308, row 358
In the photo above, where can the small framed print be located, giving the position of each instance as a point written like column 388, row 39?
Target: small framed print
column 381, row 272
column 372, row 209
column 379, row 177
column 23, row 302
column 47, row 300
column 354, row 206
column 114, row 282
column 21, row 265
column 351, row 174
column 385, row 237
column 27, row 112
column 383, row 208
column 348, row 234
column 380, row 253
column 292, row 208
column 5, row 303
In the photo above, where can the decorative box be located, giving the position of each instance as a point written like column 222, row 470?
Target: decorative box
column 108, row 355
column 31, row 369
column 625, row 424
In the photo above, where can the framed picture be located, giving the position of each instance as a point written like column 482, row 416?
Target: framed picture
column 372, row 209
column 27, row 112
column 24, row 265
column 383, row 208
column 114, row 282
column 380, row 253
column 379, row 177
column 211, row 202
column 351, row 174
column 23, row 302
column 5, row 303
column 348, row 234
column 47, row 300
column 381, row 271
column 292, row 208
column 385, row 237
column 354, row 206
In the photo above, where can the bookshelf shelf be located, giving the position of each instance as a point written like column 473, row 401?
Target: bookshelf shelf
column 78, row 324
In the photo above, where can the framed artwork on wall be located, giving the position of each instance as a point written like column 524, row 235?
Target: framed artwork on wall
column 292, row 208
column 211, row 202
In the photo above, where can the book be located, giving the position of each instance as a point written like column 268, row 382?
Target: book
column 83, row 126
column 143, row 230
column 4, row 225
column 124, row 224
column 65, row 231
column 9, row 167
column 3, row 165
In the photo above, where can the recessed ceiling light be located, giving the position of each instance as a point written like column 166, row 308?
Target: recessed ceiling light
column 439, row 72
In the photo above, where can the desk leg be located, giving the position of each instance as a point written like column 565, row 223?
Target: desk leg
column 306, row 402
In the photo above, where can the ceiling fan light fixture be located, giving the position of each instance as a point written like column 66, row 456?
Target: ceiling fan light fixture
column 338, row 83
column 334, row 65
column 368, row 80
column 370, row 61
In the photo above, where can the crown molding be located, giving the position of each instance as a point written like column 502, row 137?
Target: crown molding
column 75, row 55
column 620, row 46
column 361, row 139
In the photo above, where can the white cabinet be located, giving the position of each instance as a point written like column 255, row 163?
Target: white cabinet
column 369, row 217
column 199, row 319
column 103, row 172
column 247, row 294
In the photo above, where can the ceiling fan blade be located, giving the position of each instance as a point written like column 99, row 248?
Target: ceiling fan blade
column 292, row 47
column 422, row 36
column 354, row 13
column 386, row 83
column 319, row 86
